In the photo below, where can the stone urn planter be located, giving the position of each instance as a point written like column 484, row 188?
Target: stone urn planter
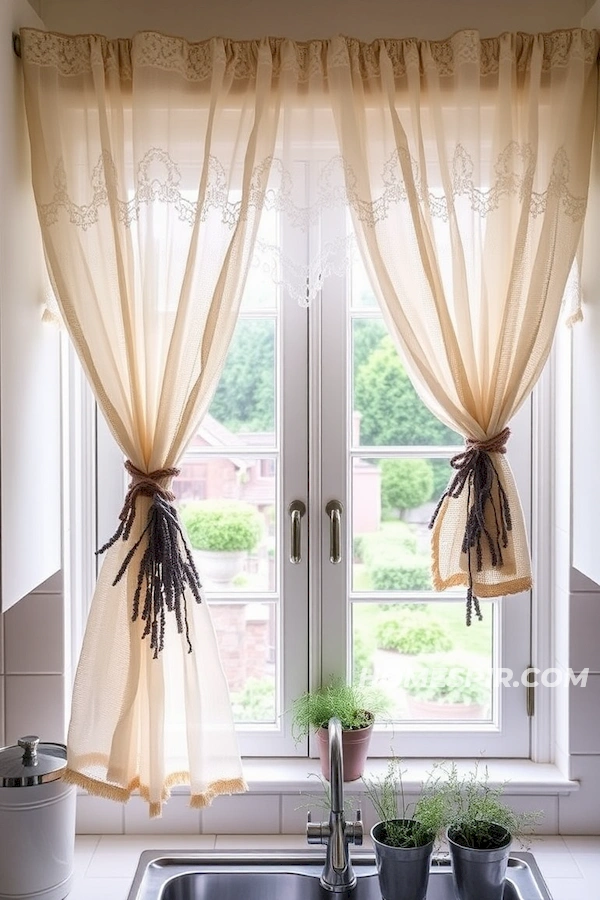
column 222, row 533
column 219, row 566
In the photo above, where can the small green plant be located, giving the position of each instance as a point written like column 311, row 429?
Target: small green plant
column 407, row 824
column 222, row 525
column 412, row 633
column 477, row 814
column 447, row 683
column 355, row 705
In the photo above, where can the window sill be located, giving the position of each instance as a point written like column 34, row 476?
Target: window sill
column 520, row 776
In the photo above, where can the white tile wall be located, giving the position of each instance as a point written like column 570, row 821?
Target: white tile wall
column 580, row 813
column 98, row 816
column 258, row 814
column 584, row 720
column 177, row 817
column 545, row 803
column 34, row 705
column 584, row 628
column 34, row 636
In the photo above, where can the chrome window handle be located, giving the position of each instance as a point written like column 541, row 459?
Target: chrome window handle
column 296, row 509
column 334, row 510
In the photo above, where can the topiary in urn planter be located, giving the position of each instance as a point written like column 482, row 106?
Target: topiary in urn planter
column 221, row 532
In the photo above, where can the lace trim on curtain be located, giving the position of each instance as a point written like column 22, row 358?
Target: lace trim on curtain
column 514, row 172
column 79, row 54
column 159, row 179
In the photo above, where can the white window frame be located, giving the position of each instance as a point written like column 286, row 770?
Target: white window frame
column 93, row 470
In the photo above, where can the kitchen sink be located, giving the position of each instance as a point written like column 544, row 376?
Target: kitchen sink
column 291, row 875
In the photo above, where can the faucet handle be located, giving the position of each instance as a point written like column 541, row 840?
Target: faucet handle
column 314, row 831
column 355, row 831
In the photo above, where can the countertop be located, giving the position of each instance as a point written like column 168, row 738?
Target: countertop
column 105, row 865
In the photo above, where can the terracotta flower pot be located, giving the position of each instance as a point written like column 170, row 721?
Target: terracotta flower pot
column 355, row 746
column 430, row 709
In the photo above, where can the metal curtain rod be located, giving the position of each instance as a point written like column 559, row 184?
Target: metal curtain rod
column 16, row 41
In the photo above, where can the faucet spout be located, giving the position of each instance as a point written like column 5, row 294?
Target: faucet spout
column 338, row 874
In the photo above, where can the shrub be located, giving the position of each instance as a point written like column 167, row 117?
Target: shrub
column 447, row 683
column 255, row 702
column 405, row 483
column 410, row 575
column 412, row 634
column 222, row 525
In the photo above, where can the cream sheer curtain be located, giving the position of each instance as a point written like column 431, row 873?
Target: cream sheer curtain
column 467, row 166
column 149, row 178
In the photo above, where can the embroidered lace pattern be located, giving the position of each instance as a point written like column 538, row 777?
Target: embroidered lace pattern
column 78, row 54
column 159, row 180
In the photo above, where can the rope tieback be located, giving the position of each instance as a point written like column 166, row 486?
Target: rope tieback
column 487, row 503
column 166, row 564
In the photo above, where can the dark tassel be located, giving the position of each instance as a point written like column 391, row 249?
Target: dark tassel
column 475, row 469
column 165, row 571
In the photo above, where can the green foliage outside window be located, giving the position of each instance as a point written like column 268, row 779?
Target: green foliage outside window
column 405, row 484
column 412, row 634
column 226, row 525
column 391, row 410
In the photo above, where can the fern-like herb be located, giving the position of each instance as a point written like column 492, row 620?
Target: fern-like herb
column 478, row 815
column 407, row 824
column 355, row 705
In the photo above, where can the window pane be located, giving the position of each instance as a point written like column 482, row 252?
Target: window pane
column 387, row 410
column 243, row 408
column 228, row 507
column 392, row 504
column 362, row 295
column 247, row 638
column 432, row 667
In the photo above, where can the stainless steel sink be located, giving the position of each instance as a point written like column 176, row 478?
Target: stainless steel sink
column 289, row 875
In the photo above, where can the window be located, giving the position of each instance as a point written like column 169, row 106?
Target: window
column 314, row 405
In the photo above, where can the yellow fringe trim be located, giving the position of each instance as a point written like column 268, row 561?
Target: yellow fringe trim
column 217, row 788
column 481, row 590
column 97, row 788
column 122, row 794
column 575, row 318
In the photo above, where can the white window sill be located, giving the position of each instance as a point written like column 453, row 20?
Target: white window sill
column 520, row 776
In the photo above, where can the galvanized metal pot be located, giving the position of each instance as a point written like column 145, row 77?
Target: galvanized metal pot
column 403, row 871
column 479, row 874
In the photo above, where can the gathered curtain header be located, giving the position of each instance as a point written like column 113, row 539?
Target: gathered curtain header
column 195, row 61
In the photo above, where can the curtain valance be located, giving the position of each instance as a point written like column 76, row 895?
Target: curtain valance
column 72, row 55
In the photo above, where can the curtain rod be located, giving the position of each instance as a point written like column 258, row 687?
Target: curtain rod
column 16, row 42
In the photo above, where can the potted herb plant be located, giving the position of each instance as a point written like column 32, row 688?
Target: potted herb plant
column 406, row 834
column 221, row 533
column 355, row 705
column 480, row 831
column 446, row 690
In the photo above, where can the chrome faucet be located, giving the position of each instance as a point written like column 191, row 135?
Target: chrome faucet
column 338, row 874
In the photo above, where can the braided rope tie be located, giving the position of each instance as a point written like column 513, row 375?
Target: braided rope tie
column 476, row 471
column 166, row 564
